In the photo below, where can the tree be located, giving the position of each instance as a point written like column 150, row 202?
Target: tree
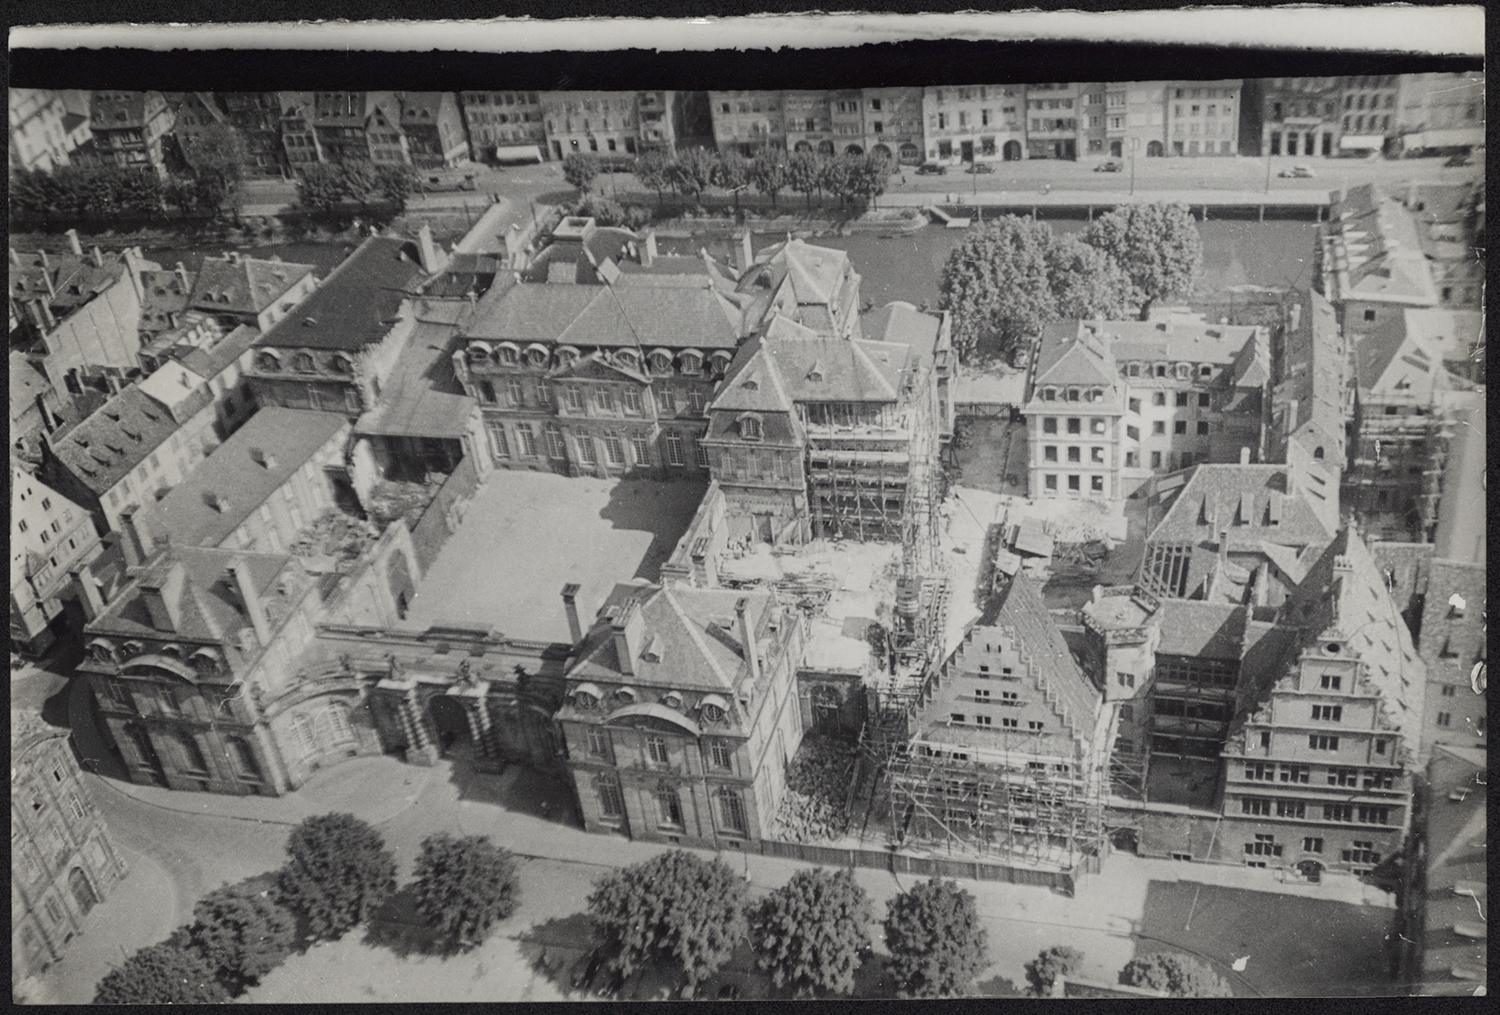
column 1042, row 972
column 804, row 172
column 164, row 973
column 769, row 173
column 937, row 945
column 810, row 931
column 338, row 872
column 217, row 155
column 394, row 184
column 996, row 285
column 464, row 886
column 35, row 193
column 835, row 176
column 580, row 171
column 653, row 169
column 868, row 175
column 242, row 932
column 730, row 172
column 1177, row 975
column 1085, row 282
column 690, row 172
column 323, row 188
column 675, row 909
column 1157, row 245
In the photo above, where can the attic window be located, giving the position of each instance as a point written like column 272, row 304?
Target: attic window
column 672, row 700
column 750, row 429
column 1318, row 452
column 750, row 384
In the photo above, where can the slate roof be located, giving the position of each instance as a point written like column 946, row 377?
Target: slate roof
column 1463, row 511
column 358, row 303
column 608, row 316
column 1389, row 356
column 1067, row 356
column 163, row 292
column 422, row 396
column 467, row 273
column 1376, row 251
column 26, row 383
column 1310, row 396
column 839, row 370
column 814, row 272
column 244, row 285
column 904, row 323
column 116, row 437
column 209, row 363
column 1175, row 340
column 685, row 628
column 753, row 383
column 65, row 281
column 235, row 472
column 209, row 600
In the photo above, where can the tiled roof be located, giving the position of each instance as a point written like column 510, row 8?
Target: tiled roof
column 1175, row 340
column 754, row 383
column 228, row 485
column 1376, row 249
column 904, row 323
column 1311, row 393
column 358, row 303
column 1067, row 357
column 115, row 438
column 1201, row 630
column 415, row 104
column 244, row 285
column 814, row 272
column 528, row 312
column 1390, row 361
column 26, row 383
column 624, row 315
column 837, row 369
column 1452, row 638
column 692, row 633
column 1456, row 857
column 1463, row 511
column 65, row 281
column 209, row 363
column 163, row 292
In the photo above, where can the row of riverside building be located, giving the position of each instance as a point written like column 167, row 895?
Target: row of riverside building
column 286, row 131
column 1266, row 692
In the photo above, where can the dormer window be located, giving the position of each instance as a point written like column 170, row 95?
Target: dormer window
column 268, row 362
column 625, row 696
column 626, row 358
column 692, row 363
column 1096, row 394
column 584, row 699
column 303, row 363
column 536, row 356
column 341, row 364
column 567, row 356
column 1184, row 371
column 750, row 428
column 478, row 354
column 672, row 700
column 719, row 362
column 1074, row 394
column 711, row 713
column 1132, row 370
column 661, row 362
column 1049, row 394
column 508, row 355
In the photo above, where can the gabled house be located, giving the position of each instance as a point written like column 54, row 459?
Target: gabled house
column 680, row 713
column 128, row 130
column 1371, row 260
column 299, row 136
column 1313, row 398
column 1073, row 417
column 250, row 290
column 50, row 537
column 434, row 129
column 257, row 117
column 1453, row 644
column 194, row 114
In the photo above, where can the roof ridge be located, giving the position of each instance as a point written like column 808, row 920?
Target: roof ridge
column 697, row 637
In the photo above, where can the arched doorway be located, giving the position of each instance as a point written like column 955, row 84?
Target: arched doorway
column 882, row 151
column 1011, row 151
column 910, row 153
column 802, row 146
column 1312, row 870
column 1154, row 150
column 825, row 147
column 1117, row 148
column 449, row 722
column 83, row 892
column 854, row 149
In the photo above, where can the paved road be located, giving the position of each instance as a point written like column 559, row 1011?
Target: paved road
column 521, row 184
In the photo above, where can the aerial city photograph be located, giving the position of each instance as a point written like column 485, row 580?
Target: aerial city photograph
column 926, row 519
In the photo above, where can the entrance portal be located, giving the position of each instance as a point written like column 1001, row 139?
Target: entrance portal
column 83, row 892
column 449, row 722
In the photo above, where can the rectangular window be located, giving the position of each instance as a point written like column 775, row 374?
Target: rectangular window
column 528, row 439
column 1376, row 778
column 1312, row 844
column 1295, row 773
column 1362, row 852
column 1156, row 459
column 75, row 806
column 1049, row 481
column 674, row 448
column 1034, row 725
column 1338, row 812
column 632, row 400
column 1343, row 776
column 1010, row 698
column 1444, row 719
column 1264, row 845
column 1073, row 483
column 983, row 720
column 614, row 451
column 1049, row 453
column 1255, row 805
column 1009, row 723
column 1291, row 809
column 1158, row 428
column 1180, row 426
column 640, row 450
column 1327, row 713
column 1075, row 454
column 1202, row 428
column 598, row 742
column 1330, row 682
column 498, row 443
column 1181, row 399
column 1318, row 742
column 720, row 754
column 668, row 807
column 1075, row 425
column 1049, row 424
column 1261, row 770
column 573, row 397
column 555, row 447
column 1374, row 815
column 586, row 453
column 1133, row 432
column 700, row 455
column 517, row 390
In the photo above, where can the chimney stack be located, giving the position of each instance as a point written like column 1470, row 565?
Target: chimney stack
column 162, row 589
column 92, row 600
column 240, row 571
column 74, row 243
column 46, row 263
column 182, row 275
column 15, row 258
column 97, row 256
column 135, row 538
column 623, row 624
column 648, row 249
column 747, row 249
column 570, row 607
column 263, row 458
column 428, row 250
column 1244, row 455
column 747, row 639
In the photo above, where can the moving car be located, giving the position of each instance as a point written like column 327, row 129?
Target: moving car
column 1297, row 172
column 980, row 167
column 931, row 169
column 1108, row 167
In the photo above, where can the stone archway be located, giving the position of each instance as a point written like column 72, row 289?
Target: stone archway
column 1154, row 150
column 853, row 149
column 1311, row 870
column 1011, row 152
column 83, row 892
column 910, row 152
column 450, row 722
column 825, row 147
column 802, row 146
column 882, row 151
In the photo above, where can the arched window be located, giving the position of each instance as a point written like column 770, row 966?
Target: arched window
column 711, row 712
column 692, row 363
column 661, row 362
column 341, row 364
column 627, row 359
column 478, row 353
column 301, row 730
column 1318, row 452
column 1184, row 371
column 567, row 355
column 536, row 356
column 303, row 363
column 267, row 362
column 672, row 700
column 719, row 362
column 508, row 355
column 750, row 428
column 332, row 727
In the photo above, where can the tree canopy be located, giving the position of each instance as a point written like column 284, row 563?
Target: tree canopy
column 580, row 171
column 1042, row 972
column 465, row 886
column 936, row 942
column 217, row 156
column 676, row 909
column 652, row 170
column 242, row 932
column 769, row 173
column 997, row 288
column 164, row 973
column 805, row 173
column 810, row 932
column 338, row 871
column 1177, row 975
column 1085, row 281
column 691, row 171
column 1157, row 245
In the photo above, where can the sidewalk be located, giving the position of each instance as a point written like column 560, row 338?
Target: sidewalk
column 1054, row 198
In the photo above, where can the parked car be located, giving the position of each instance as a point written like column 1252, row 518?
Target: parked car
column 1298, row 172
column 931, row 169
column 1108, row 167
column 980, row 167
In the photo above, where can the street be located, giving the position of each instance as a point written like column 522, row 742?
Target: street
column 542, row 183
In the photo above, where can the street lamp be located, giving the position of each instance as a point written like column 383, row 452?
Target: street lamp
column 1135, row 144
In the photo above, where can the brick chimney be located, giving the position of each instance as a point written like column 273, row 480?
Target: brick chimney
column 91, row 599
column 161, row 591
column 746, row 249
column 240, row 572
column 627, row 627
column 570, row 607
column 1244, row 455
column 74, row 243
column 181, row 270
column 135, row 538
column 747, row 639
column 431, row 258
column 97, row 256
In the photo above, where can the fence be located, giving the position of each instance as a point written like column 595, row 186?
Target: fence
column 444, row 513
column 923, row 866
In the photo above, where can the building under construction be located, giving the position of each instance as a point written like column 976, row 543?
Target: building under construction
column 1004, row 748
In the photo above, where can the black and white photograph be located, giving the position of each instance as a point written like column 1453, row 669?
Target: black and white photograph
column 749, row 507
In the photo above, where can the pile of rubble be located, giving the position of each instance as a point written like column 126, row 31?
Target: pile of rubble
column 813, row 808
column 337, row 535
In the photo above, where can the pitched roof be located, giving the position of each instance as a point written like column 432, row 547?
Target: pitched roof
column 228, row 485
column 1392, row 361
column 422, row 396
column 1463, row 511
column 1176, row 340
column 1310, row 398
column 692, row 632
column 691, row 316
column 211, row 362
column 116, row 437
column 838, row 369
column 26, row 383
column 1375, row 252
column 358, row 303
column 904, row 323
column 814, row 272
column 244, row 285
column 1201, row 630
column 1068, row 355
